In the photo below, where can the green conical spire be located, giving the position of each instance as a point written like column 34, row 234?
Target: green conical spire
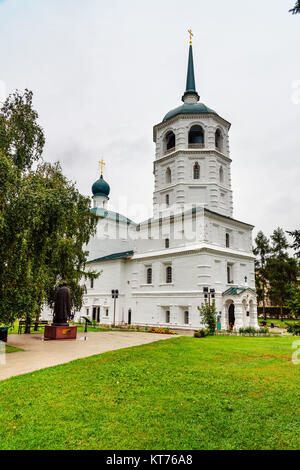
column 190, row 81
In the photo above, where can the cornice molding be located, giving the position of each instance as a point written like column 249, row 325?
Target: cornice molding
column 192, row 154
column 182, row 251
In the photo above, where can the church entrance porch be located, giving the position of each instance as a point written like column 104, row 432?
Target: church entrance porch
column 239, row 308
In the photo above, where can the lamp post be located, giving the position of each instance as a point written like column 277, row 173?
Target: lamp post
column 87, row 321
column 209, row 294
column 115, row 296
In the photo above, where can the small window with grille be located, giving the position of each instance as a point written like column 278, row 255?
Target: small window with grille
column 149, row 276
column 169, row 275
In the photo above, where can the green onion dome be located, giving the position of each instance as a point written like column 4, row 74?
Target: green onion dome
column 193, row 108
column 101, row 188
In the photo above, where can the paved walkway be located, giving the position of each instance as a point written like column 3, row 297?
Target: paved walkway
column 39, row 354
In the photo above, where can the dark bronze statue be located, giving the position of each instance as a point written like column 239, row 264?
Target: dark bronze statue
column 62, row 306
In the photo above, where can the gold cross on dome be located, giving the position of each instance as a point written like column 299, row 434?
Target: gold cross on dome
column 102, row 164
column 191, row 36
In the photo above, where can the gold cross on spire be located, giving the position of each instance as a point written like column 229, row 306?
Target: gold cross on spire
column 191, row 36
column 102, row 164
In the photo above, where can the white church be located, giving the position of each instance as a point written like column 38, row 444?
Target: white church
column 192, row 250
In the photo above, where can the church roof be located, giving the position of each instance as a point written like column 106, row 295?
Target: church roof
column 190, row 79
column 189, row 108
column 191, row 96
column 237, row 290
column 105, row 214
column 194, row 210
column 113, row 256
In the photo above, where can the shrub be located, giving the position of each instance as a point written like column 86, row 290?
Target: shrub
column 263, row 331
column 293, row 328
column 250, row 331
column 208, row 315
column 201, row 333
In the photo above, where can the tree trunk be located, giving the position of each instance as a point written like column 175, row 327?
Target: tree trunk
column 36, row 324
column 27, row 326
column 281, row 312
column 264, row 304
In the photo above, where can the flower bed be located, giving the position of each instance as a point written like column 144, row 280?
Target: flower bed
column 162, row 331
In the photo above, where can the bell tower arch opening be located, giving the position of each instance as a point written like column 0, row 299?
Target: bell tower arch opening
column 169, row 142
column 196, row 137
column 219, row 140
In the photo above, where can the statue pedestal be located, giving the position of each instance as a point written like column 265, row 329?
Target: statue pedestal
column 60, row 332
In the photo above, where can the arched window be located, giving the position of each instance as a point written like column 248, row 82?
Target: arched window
column 196, row 137
column 167, row 243
column 186, row 318
column 149, row 276
column 168, row 175
column 196, row 171
column 170, row 141
column 219, row 139
column 169, row 275
column 221, row 175
column 168, row 316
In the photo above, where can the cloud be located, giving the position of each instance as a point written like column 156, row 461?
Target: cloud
column 102, row 76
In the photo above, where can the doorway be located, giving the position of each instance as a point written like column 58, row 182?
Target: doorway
column 129, row 316
column 96, row 314
column 231, row 315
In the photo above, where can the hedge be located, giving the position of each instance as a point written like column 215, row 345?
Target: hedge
column 274, row 312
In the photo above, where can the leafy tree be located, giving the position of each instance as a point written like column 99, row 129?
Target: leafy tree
column 296, row 243
column 296, row 8
column 262, row 252
column 281, row 270
column 293, row 301
column 21, row 137
column 44, row 221
column 208, row 314
column 279, row 243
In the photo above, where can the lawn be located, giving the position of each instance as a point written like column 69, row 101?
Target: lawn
column 277, row 322
column 182, row 393
column 14, row 329
column 11, row 349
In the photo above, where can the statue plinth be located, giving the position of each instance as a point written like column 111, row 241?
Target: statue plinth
column 60, row 332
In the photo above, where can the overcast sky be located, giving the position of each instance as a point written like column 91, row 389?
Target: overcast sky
column 104, row 72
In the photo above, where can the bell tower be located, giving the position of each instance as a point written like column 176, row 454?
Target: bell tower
column 192, row 164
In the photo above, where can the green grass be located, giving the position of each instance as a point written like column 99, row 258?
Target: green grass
column 96, row 329
column 183, row 393
column 11, row 349
column 277, row 322
column 14, row 329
